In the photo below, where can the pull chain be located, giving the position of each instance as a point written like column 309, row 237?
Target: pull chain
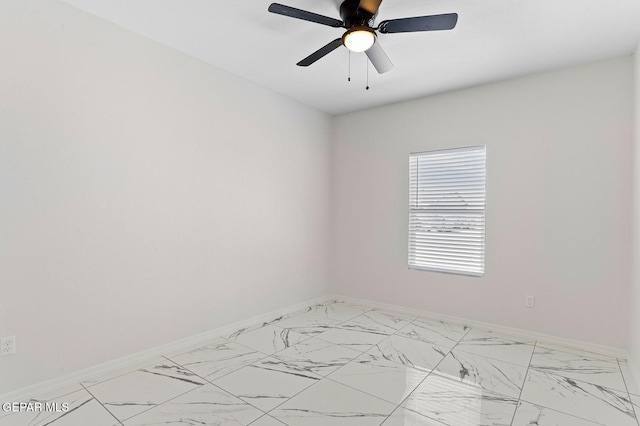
column 349, row 73
column 367, row 74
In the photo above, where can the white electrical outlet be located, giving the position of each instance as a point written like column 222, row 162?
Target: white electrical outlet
column 8, row 346
column 529, row 301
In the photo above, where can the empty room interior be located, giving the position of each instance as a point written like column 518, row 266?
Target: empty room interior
column 335, row 213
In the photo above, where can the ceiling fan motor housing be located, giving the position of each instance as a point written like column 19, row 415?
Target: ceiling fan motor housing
column 353, row 16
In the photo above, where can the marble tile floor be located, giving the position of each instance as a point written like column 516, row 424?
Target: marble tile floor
column 343, row 365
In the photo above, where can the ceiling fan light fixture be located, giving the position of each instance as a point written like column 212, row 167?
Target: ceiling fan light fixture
column 359, row 39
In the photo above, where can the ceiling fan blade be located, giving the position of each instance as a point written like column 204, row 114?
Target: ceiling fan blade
column 292, row 12
column 370, row 6
column 446, row 21
column 320, row 53
column 379, row 58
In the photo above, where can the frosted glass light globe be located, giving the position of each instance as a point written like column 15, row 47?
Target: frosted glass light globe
column 359, row 39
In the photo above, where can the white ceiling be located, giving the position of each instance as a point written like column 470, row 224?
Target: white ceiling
column 494, row 40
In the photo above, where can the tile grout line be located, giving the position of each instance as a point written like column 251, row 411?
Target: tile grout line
column 283, row 402
column 252, row 363
column 151, row 362
column 163, row 402
column 225, row 374
column 518, row 343
column 343, row 344
column 395, row 333
column 263, row 416
column 101, row 404
column 321, row 376
column 293, row 396
column 209, row 381
column 633, row 409
column 272, row 324
column 327, row 376
column 560, row 376
column 524, row 381
column 428, row 375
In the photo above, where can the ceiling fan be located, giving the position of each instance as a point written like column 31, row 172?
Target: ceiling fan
column 358, row 17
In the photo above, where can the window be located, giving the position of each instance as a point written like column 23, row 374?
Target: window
column 447, row 210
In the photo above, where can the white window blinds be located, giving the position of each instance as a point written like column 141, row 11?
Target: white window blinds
column 447, row 210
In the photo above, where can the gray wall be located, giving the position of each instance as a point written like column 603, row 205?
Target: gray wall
column 144, row 196
column 634, row 331
column 559, row 201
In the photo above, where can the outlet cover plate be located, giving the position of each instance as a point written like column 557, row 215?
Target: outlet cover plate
column 529, row 301
column 8, row 346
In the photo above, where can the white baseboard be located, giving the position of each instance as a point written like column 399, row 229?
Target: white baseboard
column 187, row 343
column 202, row 338
column 547, row 338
